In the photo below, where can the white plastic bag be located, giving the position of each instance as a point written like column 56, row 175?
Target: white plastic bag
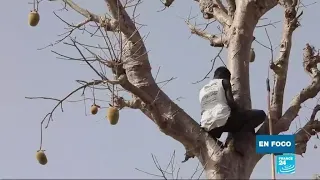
column 214, row 108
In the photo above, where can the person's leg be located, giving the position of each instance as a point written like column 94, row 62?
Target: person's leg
column 234, row 123
column 234, row 126
column 256, row 117
column 253, row 118
column 216, row 132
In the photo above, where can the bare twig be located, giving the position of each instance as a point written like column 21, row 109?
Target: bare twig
column 49, row 116
column 216, row 41
column 214, row 60
column 268, row 24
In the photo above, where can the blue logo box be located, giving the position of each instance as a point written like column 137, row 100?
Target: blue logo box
column 266, row 144
column 286, row 164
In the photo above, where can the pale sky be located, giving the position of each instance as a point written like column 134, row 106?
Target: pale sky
column 79, row 146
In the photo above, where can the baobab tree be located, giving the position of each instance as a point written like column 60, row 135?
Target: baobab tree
column 128, row 61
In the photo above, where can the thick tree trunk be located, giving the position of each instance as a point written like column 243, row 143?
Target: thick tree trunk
column 228, row 164
column 240, row 40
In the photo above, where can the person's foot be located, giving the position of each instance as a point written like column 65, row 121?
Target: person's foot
column 215, row 133
column 218, row 135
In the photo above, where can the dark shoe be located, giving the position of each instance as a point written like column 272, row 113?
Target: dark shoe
column 219, row 143
column 216, row 133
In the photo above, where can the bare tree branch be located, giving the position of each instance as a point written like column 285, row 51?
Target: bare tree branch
column 109, row 24
column 221, row 6
column 49, row 116
column 126, row 25
column 73, row 27
column 216, row 41
column 82, row 11
column 169, row 117
column 211, row 9
column 310, row 65
column 304, row 134
column 280, row 67
column 231, row 7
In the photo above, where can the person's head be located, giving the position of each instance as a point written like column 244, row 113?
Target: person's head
column 222, row 73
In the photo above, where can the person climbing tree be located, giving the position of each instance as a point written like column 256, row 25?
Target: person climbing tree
column 219, row 111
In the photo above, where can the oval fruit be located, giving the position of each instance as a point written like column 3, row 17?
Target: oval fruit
column 34, row 18
column 113, row 115
column 252, row 55
column 41, row 157
column 94, row 109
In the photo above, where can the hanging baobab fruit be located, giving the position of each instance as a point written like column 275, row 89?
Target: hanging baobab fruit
column 113, row 112
column 94, row 109
column 34, row 18
column 41, row 157
column 113, row 115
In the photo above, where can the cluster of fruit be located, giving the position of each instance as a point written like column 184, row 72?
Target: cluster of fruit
column 112, row 112
column 112, row 115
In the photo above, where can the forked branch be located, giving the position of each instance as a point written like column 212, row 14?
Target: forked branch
column 310, row 129
column 216, row 41
column 310, row 66
column 310, row 60
column 49, row 116
column 280, row 67
column 126, row 25
column 107, row 23
column 212, row 9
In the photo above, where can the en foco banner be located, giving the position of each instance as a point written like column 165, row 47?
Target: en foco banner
column 266, row 144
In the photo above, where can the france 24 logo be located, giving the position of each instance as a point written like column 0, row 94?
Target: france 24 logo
column 286, row 164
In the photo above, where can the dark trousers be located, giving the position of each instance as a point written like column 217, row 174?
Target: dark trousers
column 244, row 121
